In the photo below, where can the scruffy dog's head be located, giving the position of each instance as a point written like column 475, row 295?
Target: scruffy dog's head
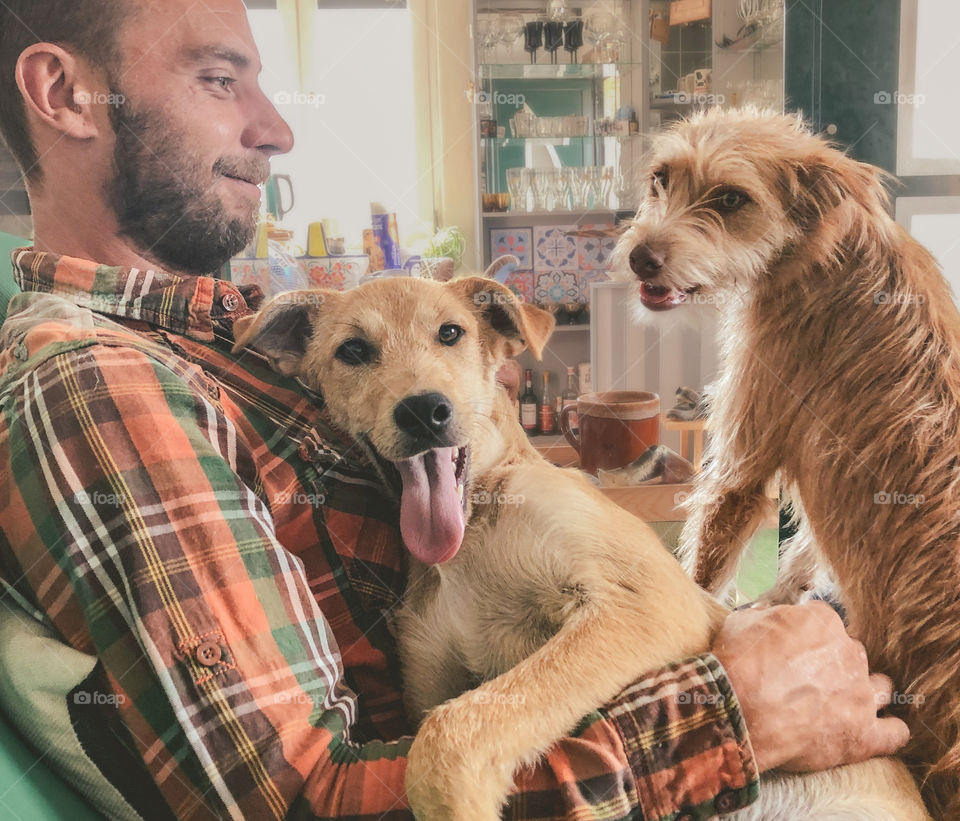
column 728, row 194
column 408, row 366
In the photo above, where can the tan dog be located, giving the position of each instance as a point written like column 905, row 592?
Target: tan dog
column 840, row 374
column 525, row 576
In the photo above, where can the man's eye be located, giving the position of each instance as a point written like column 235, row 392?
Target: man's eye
column 222, row 82
column 450, row 334
column 355, row 352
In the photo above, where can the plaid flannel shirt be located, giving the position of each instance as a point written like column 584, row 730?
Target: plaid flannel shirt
column 191, row 519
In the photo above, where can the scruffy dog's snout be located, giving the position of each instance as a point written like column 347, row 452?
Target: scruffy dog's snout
column 425, row 418
column 644, row 262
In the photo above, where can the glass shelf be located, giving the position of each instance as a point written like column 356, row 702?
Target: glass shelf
column 520, row 71
column 577, row 213
column 505, row 142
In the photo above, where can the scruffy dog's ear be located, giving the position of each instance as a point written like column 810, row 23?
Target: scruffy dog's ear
column 283, row 328
column 511, row 325
column 823, row 180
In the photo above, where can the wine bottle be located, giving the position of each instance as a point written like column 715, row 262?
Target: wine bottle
column 528, row 404
column 569, row 396
column 548, row 419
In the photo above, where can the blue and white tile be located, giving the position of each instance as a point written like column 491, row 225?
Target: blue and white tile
column 515, row 241
column 553, row 249
column 557, row 287
column 594, row 253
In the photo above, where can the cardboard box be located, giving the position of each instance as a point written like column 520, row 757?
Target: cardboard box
column 687, row 11
column 659, row 28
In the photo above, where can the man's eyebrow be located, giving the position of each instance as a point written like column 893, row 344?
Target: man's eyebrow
column 200, row 53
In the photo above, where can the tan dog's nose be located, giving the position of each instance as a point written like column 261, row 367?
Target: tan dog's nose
column 425, row 418
column 644, row 262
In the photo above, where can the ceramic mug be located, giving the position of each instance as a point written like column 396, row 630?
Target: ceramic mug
column 615, row 428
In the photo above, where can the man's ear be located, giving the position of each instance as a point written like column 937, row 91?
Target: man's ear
column 284, row 327
column 510, row 323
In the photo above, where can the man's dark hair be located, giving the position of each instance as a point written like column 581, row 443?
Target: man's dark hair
column 88, row 28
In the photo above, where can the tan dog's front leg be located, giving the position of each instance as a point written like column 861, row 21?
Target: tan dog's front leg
column 721, row 525
column 463, row 759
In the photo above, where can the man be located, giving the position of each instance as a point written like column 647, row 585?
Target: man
column 190, row 524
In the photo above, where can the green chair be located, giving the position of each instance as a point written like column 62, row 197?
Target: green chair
column 28, row 787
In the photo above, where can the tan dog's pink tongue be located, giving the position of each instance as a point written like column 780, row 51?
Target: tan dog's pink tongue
column 431, row 512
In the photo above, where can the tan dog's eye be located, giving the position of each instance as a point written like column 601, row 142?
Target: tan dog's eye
column 355, row 352
column 450, row 334
column 730, row 200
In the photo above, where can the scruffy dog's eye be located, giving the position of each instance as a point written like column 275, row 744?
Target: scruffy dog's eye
column 660, row 180
column 730, row 200
column 355, row 352
column 450, row 334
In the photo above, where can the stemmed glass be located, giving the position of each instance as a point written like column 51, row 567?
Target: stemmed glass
column 540, row 181
column 488, row 35
column 573, row 37
column 517, row 186
column 559, row 190
column 510, row 30
column 601, row 28
column 606, row 184
column 533, row 38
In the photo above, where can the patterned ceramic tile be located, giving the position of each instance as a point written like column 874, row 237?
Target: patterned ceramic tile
column 594, row 252
column 557, row 287
column 522, row 284
column 587, row 278
column 516, row 241
column 553, row 249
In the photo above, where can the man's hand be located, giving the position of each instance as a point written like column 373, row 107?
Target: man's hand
column 805, row 689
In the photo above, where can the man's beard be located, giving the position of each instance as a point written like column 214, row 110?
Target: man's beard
column 161, row 203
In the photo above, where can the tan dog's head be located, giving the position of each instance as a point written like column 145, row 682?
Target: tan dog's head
column 727, row 194
column 410, row 366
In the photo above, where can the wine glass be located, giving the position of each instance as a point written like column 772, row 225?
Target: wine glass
column 573, row 37
column 488, row 35
column 540, row 182
column 517, row 189
column 510, row 30
column 533, row 38
column 606, row 185
column 559, row 190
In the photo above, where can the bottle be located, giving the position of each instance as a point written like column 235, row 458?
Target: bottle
column 548, row 421
column 569, row 396
column 528, row 404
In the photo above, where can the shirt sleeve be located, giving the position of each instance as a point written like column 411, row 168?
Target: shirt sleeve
column 130, row 499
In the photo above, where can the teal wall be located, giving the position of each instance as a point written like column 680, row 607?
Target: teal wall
column 839, row 55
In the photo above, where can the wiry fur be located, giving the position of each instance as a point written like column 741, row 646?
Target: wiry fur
column 840, row 373
column 557, row 598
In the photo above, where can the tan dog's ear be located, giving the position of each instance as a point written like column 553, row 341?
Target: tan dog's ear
column 282, row 330
column 510, row 322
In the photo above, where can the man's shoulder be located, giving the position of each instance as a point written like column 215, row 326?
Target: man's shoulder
column 42, row 326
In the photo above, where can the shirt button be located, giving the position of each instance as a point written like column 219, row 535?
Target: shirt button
column 727, row 801
column 230, row 303
column 208, row 653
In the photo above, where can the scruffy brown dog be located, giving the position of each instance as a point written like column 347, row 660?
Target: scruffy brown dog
column 840, row 374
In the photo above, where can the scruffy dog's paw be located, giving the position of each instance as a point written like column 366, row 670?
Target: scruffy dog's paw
column 451, row 773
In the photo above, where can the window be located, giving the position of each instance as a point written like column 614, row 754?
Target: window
column 353, row 115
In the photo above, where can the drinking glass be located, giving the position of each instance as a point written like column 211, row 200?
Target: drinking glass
column 540, row 181
column 510, row 30
column 606, row 185
column 518, row 191
column 533, row 38
column 600, row 27
column 525, row 123
column 488, row 35
column 559, row 191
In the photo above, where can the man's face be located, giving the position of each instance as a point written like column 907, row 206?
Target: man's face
column 194, row 133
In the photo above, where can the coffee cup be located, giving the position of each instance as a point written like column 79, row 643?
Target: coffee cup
column 615, row 428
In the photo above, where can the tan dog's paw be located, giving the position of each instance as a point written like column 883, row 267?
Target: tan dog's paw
column 451, row 774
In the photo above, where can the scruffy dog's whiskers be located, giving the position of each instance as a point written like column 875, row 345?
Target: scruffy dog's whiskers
column 840, row 375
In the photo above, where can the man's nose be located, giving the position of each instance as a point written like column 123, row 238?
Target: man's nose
column 267, row 131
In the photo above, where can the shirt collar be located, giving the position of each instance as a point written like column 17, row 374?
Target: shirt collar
column 188, row 305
